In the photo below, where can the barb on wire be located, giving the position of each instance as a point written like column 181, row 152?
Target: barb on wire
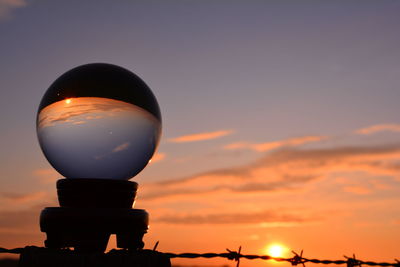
column 156, row 245
column 237, row 255
column 298, row 259
column 353, row 262
column 233, row 255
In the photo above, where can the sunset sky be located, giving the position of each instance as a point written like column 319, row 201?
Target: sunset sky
column 280, row 119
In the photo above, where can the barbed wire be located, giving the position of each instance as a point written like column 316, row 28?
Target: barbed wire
column 236, row 256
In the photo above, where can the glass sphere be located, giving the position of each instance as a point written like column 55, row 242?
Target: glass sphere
column 98, row 121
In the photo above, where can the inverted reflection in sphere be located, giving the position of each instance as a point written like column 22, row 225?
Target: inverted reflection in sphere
column 96, row 137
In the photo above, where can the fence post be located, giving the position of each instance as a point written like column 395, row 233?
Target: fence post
column 46, row 257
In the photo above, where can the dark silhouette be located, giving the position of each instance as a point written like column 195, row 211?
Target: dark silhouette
column 91, row 210
column 8, row 263
column 45, row 257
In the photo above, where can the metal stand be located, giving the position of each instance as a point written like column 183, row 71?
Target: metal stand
column 91, row 210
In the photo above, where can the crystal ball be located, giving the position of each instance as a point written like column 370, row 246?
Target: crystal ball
column 98, row 121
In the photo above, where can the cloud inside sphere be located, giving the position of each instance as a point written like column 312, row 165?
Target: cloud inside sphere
column 95, row 137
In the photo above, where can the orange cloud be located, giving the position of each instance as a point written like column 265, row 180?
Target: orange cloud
column 287, row 169
column 262, row 217
column 363, row 186
column 121, row 147
column 158, row 157
column 48, row 175
column 19, row 219
column 7, row 6
column 379, row 128
column 358, row 190
column 278, row 190
column 23, row 198
column 262, row 147
column 200, row 136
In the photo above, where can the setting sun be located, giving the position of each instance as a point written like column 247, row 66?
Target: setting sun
column 276, row 250
column 67, row 101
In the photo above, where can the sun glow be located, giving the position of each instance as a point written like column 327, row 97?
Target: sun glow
column 68, row 101
column 276, row 250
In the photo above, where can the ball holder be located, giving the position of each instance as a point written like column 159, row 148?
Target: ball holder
column 90, row 211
